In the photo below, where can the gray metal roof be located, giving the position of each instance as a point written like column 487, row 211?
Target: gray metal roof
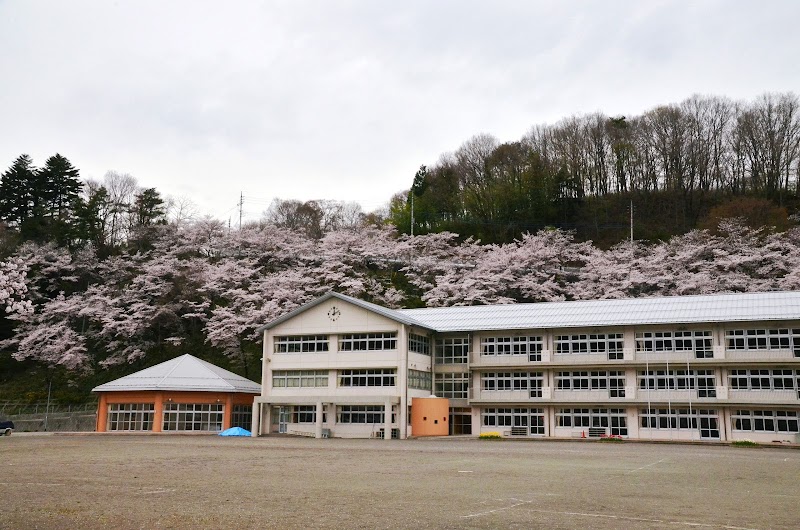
column 770, row 306
column 184, row 373
column 385, row 311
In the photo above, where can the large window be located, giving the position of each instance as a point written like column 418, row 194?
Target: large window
column 519, row 420
column 130, row 416
column 774, row 421
column 703, row 380
column 763, row 339
column 419, row 344
column 368, row 341
column 454, row 350
column 301, row 344
column 419, row 380
column 460, row 420
column 526, row 381
column 530, row 347
column 615, row 420
column 299, row 378
column 192, row 417
column 699, row 343
column 371, row 414
column 242, row 416
column 611, row 381
column 609, row 344
column 706, row 421
column 371, row 377
column 764, row 379
column 306, row 414
column 453, row 386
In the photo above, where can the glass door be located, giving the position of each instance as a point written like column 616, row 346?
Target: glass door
column 284, row 414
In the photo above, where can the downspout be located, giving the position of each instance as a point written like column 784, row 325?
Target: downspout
column 404, row 386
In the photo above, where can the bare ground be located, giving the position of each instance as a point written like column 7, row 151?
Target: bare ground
column 107, row 481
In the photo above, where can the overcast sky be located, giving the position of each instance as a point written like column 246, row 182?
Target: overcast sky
column 344, row 100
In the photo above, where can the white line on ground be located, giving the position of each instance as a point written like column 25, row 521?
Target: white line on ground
column 646, row 520
column 158, row 491
column 605, row 516
column 29, row 484
column 648, row 465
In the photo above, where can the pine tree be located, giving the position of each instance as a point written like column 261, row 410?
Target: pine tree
column 16, row 191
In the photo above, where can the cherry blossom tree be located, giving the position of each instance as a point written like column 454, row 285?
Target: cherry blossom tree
column 13, row 287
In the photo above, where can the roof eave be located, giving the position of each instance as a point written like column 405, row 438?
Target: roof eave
column 344, row 298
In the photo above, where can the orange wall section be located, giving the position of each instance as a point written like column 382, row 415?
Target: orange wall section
column 429, row 416
column 159, row 398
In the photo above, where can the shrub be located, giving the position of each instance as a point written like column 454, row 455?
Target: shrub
column 744, row 443
column 490, row 436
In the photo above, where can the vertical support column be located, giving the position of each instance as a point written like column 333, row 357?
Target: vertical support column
column 255, row 422
column 227, row 414
column 402, row 376
column 101, row 424
column 318, row 431
column 725, row 424
column 158, row 412
column 387, row 420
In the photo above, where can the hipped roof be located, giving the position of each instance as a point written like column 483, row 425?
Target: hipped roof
column 184, row 373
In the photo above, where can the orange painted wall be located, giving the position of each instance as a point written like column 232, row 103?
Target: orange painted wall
column 158, row 399
column 429, row 416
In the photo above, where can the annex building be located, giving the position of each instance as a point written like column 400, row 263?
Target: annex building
column 182, row 394
column 710, row 367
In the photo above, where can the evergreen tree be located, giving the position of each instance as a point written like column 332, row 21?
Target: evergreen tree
column 148, row 208
column 61, row 187
column 16, row 191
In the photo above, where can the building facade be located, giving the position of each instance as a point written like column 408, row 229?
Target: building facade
column 715, row 367
column 179, row 395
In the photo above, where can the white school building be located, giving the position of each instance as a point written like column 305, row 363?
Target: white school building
column 711, row 367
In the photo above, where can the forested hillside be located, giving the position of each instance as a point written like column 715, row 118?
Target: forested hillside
column 677, row 164
column 99, row 279
column 203, row 289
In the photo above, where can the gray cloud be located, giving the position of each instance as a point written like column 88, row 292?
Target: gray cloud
column 344, row 100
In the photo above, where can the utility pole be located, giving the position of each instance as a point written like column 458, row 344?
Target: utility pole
column 47, row 410
column 412, row 213
column 631, row 220
column 241, row 205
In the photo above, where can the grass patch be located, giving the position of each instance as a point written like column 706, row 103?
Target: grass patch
column 744, row 443
column 612, row 439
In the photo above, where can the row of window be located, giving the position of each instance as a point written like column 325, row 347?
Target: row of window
column 698, row 342
column 764, row 379
column 531, row 347
column 613, row 381
column 767, row 421
column 615, row 419
column 176, row 417
column 702, row 380
column 763, row 339
column 529, row 421
column 609, row 344
column 453, row 386
column 455, row 350
column 456, row 385
column 681, row 419
column 350, row 342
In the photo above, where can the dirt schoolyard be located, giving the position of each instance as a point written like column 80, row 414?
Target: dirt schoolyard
column 147, row 481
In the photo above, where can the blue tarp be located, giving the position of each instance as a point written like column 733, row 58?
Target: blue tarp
column 235, row 431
